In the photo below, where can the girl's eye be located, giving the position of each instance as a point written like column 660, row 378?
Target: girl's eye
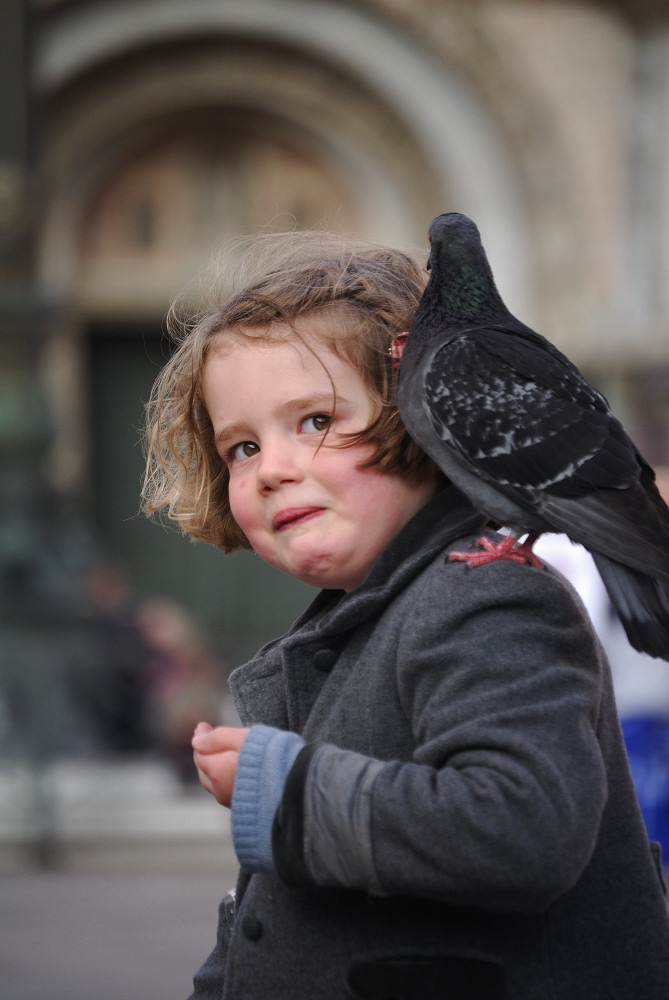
column 245, row 449
column 316, row 424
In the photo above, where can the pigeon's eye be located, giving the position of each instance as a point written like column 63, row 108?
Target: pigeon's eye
column 245, row 449
column 316, row 424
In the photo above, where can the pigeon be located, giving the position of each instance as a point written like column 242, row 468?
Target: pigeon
column 517, row 428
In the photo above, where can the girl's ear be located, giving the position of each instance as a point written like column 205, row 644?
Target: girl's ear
column 397, row 348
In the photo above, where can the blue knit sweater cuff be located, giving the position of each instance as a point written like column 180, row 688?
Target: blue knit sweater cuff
column 266, row 757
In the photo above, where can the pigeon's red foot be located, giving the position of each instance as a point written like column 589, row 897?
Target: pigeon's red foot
column 508, row 548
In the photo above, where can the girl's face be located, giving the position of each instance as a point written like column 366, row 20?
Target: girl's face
column 305, row 506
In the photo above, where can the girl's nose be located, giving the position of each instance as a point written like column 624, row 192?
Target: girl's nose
column 278, row 465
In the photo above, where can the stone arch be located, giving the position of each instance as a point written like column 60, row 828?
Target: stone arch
column 382, row 85
column 264, row 98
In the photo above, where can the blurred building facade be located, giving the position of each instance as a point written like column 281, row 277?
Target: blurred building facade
column 137, row 137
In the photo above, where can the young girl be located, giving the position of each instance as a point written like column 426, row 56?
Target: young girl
column 431, row 799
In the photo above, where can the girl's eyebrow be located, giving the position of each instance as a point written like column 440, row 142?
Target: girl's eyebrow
column 317, row 401
column 229, row 433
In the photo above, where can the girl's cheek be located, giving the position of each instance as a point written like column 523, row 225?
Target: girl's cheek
column 238, row 493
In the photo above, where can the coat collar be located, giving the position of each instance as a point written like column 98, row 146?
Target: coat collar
column 260, row 687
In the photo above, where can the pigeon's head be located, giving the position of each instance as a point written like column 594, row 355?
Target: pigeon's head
column 461, row 285
column 452, row 233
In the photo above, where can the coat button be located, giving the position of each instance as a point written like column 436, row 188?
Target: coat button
column 325, row 659
column 251, row 927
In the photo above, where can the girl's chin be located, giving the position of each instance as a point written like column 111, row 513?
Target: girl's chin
column 316, row 567
column 308, row 560
column 316, row 571
column 328, row 575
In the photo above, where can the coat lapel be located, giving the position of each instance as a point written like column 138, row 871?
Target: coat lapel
column 280, row 685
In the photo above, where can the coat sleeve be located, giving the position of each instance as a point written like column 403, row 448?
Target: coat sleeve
column 501, row 803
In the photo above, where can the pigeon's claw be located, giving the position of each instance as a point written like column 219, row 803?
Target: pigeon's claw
column 508, row 548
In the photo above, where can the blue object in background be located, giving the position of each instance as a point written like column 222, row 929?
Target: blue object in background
column 647, row 742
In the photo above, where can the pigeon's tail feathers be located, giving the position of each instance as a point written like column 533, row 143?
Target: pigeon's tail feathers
column 640, row 603
column 621, row 524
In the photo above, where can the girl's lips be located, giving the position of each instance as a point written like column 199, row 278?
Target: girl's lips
column 293, row 515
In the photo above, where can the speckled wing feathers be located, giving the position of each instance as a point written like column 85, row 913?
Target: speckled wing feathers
column 550, row 431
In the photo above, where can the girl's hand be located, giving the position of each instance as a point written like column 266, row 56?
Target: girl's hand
column 216, row 752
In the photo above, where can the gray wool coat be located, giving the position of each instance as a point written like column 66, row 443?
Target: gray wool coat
column 461, row 823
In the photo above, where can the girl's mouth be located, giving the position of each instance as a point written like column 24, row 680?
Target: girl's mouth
column 294, row 515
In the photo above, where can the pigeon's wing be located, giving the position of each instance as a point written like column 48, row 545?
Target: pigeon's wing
column 523, row 417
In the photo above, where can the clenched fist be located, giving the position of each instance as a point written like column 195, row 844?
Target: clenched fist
column 216, row 752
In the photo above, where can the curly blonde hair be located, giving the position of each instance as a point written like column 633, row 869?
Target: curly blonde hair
column 365, row 294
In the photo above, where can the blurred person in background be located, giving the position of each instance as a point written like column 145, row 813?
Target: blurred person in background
column 147, row 675
column 642, row 694
column 641, row 682
column 183, row 679
column 110, row 681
